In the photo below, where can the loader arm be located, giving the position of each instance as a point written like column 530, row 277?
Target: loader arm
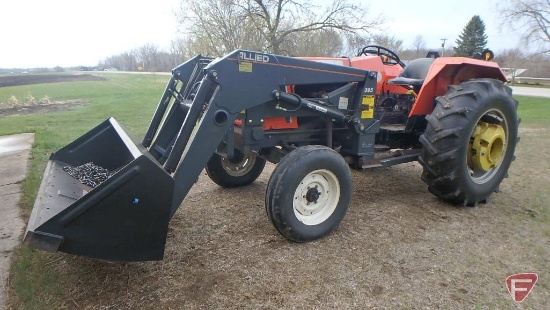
column 126, row 217
column 237, row 82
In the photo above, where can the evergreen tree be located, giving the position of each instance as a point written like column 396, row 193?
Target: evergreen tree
column 472, row 39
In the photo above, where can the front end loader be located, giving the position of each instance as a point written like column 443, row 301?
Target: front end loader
column 110, row 197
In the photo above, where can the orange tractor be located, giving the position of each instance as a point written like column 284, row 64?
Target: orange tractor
column 110, row 197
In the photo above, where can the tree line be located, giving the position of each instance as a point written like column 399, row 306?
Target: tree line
column 304, row 28
column 149, row 57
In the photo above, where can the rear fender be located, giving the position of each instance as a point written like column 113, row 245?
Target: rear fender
column 447, row 71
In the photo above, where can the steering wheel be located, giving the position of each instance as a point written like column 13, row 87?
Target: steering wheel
column 392, row 58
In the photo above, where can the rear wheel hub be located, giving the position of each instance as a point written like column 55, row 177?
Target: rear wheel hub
column 487, row 146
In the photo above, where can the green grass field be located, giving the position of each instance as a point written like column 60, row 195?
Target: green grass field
column 131, row 99
column 534, row 111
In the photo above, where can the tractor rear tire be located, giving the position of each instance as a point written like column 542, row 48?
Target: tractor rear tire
column 308, row 193
column 469, row 141
column 239, row 171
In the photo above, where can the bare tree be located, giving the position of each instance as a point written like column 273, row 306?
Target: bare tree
column 125, row 62
column 278, row 19
column 146, row 56
column 387, row 41
column 178, row 50
column 326, row 42
column 353, row 43
column 164, row 61
column 537, row 65
column 109, row 62
column 532, row 17
column 511, row 59
column 419, row 45
column 268, row 25
column 129, row 61
column 216, row 27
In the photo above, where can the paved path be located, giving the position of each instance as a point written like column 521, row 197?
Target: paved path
column 531, row 91
column 14, row 157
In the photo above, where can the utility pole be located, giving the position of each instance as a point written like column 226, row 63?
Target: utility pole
column 443, row 47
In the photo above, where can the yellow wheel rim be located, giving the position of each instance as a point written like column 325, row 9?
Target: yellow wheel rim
column 487, row 146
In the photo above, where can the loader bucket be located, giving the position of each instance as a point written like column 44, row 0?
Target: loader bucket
column 124, row 218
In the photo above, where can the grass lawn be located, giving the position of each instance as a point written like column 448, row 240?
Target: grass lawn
column 131, row 99
column 534, row 85
column 534, row 111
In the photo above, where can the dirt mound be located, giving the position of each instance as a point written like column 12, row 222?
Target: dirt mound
column 15, row 80
column 53, row 106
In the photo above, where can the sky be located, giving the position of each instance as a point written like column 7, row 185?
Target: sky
column 67, row 33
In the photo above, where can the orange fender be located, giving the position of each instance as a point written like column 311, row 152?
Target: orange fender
column 447, row 71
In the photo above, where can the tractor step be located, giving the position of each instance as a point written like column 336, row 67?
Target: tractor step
column 378, row 148
column 405, row 157
column 393, row 127
column 390, row 158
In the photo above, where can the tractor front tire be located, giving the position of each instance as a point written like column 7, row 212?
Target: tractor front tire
column 469, row 141
column 308, row 193
column 239, row 171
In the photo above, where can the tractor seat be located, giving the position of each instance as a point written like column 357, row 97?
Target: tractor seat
column 414, row 73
